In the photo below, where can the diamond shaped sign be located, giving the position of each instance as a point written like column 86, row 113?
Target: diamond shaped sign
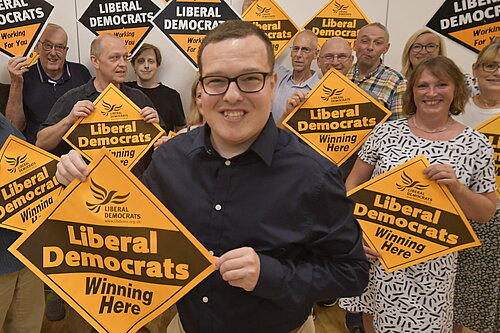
column 21, row 24
column 112, row 251
column 338, row 18
column 186, row 22
column 472, row 24
column 491, row 129
column 336, row 118
column 276, row 24
column 116, row 124
column 28, row 185
column 409, row 219
column 129, row 20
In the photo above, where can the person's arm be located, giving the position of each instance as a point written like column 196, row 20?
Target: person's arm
column 14, row 110
column 333, row 265
column 360, row 173
column 49, row 137
column 479, row 207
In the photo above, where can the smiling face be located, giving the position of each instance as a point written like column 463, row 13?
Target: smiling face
column 52, row 61
column 424, row 41
column 370, row 44
column 488, row 81
column 236, row 118
column 146, row 66
column 433, row 95
column 111, row 62
column 335, row 52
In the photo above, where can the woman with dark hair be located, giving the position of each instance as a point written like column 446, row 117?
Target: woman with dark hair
column 420, row 298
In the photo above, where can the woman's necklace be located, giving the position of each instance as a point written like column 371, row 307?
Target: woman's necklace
column 436, row 130
column 486, row 104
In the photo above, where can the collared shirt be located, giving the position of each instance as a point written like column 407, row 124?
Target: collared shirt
column 40, row 93
column 282, row 199
column 65, row 104
column 8, row 263
column 285, row 87
column 388, row 84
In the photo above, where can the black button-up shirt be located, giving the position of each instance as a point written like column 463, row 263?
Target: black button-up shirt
column 282, row 199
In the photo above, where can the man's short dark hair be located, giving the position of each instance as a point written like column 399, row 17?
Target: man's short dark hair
column 235, row 29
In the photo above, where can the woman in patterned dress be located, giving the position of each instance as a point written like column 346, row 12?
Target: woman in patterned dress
column 420, row 298
column 477, row 284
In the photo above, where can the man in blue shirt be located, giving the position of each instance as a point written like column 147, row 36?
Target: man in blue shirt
column 34, row 90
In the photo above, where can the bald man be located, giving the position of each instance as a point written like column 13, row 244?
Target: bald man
column 302, row 53
column 109, row 57
column 335, row 53
column 34, row 90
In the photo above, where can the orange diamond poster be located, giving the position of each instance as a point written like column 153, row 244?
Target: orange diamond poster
column 28, row 185
column 276, row 24
column 491, row 129
column 473, row 24
column 336, row 118
column 112, row 251
column 338, row 18
column 130, row 20
column 116, row 124
column 409, row 219
column 186, row 22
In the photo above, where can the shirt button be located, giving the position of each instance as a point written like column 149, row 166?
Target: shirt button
column 209, row 151
column 218, row 207
column 211, row 252
column 204, row 299
column 227, row 162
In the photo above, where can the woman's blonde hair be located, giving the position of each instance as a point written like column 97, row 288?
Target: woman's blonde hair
column 405, row 59
column 194, row 116
column 441, row 67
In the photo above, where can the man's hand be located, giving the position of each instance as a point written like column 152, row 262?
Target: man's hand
column 82, row 108
column 70, row 167
column 16, row 68
column 150, row 115
column 240, row 268
column 294, row 100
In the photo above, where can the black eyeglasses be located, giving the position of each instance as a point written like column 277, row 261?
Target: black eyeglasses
column 491, row 67
column 247, row 82
column 428, row 47
column 48, row 46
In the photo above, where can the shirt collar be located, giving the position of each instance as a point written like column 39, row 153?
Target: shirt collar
column 375, row 72
column 307, row 83
column 44, row 78
column 264, row 146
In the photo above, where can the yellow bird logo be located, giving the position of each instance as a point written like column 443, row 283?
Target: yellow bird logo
column 331, row 92
column 108, row 108
column 262, row 10
column 408, row 182
column 104, row 197
column 339, row 7
column 15, row 161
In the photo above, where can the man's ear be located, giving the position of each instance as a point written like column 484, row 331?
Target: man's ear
column 94, row 61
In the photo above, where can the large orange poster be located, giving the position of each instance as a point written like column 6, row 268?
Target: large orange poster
column 112, row 251
column 409, row 219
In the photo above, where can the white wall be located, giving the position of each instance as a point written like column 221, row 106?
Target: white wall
column 402, row 17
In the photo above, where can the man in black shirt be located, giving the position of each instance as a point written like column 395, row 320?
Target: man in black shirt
column 167, row 101
column 273, row 211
